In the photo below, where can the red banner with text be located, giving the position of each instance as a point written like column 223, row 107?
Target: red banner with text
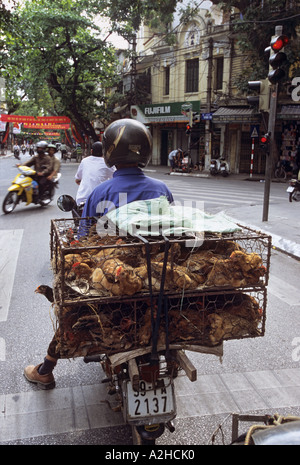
column 33, row 119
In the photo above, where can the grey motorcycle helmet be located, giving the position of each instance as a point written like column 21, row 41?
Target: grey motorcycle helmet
column 42, row 144
column 127, row 141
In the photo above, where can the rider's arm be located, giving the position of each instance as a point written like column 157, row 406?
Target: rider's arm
column 30, row 162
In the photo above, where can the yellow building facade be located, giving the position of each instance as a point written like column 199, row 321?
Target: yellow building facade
column 197, row 69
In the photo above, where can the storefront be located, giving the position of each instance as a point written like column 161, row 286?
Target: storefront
column 167, row 123
column 288, row 124
column 236, row 128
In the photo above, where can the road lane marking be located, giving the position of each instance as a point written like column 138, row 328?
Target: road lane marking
column 10, row 243
column 284, row 291
column 2, row 349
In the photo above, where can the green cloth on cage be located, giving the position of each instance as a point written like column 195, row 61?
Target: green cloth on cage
column 156, row 216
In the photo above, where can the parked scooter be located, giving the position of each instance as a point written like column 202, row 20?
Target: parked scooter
column 25, row 188
column 294, row 190
column 219, row 166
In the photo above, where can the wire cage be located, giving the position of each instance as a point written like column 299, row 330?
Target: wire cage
column 114, row 294
column 205, row 319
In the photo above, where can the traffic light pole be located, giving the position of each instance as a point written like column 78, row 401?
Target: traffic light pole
column 277, row 44
column 271, row 156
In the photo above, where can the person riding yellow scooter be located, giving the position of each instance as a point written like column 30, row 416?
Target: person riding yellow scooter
column 32, row 185
column 43, row 165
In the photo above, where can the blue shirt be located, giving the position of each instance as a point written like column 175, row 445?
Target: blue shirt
column 127, row 185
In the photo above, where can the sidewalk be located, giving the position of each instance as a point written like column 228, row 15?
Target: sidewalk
column 283, row 217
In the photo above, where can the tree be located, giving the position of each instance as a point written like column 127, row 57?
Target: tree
column 126, row 19
column 254, row 28
column 55, row 46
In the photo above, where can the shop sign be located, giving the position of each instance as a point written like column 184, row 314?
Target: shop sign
column 162, row 112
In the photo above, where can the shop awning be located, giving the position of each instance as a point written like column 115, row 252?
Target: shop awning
column 289, row 112
column 235, row 115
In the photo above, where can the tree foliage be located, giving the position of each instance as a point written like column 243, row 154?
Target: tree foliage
column 54, row 46
column 127, row 17
column 254, row 28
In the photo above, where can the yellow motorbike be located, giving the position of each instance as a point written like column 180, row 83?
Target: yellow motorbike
column 24, row 188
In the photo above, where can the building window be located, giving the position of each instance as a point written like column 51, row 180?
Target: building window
column 219, row 73
column 192, row 75
column 167, row 81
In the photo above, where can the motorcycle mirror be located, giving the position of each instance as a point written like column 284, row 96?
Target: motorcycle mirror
column 66, row 203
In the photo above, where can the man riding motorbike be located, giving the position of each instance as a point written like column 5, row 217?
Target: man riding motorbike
column 16, row 151
column 91, row 172
column 43, row 165
column 56, row 163
column 127, row 145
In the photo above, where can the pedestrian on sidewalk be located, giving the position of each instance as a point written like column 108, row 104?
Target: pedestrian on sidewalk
column 173, row 158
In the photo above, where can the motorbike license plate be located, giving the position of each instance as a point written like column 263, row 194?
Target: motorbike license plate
column 223, row 168
column 290, row 189
column 150, row 402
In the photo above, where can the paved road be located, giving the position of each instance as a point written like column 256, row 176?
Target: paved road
column 254, row 375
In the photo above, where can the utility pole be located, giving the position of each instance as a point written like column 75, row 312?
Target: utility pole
column 208, row 97
column 133, row 73
column 271, row 156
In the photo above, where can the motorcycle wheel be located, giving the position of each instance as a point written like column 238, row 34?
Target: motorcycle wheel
column 47, row 197
column 213, row 172
column 10, row 202
column 137, row 439
column 140, row 436
column 295, row 195
column 280, row 173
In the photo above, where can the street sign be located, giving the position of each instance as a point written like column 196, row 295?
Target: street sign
column 206, row 116
column 254, row 130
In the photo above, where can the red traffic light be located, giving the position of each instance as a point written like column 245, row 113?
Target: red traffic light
column 279, row 42
column 265, row 142
column 188, row 129
column 264, row 139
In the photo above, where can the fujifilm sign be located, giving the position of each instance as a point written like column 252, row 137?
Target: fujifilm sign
column 162, row 113
column 164, row 110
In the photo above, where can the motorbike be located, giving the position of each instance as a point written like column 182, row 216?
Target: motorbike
column 17, row 154
column 24, row 188
column 294, row 190
column 142, row 380
column 219, row 166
